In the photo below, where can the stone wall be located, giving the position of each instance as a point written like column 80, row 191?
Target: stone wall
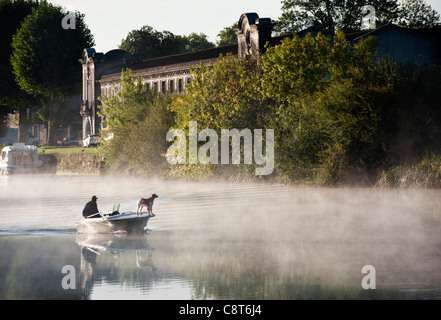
column 84, row 163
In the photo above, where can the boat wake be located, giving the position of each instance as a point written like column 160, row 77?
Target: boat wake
column 46, row 232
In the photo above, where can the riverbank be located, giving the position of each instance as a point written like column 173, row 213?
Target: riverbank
column 425, row 173
column 72, row 163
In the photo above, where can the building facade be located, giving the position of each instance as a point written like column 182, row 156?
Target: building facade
column 94, row 66
column 102, row 72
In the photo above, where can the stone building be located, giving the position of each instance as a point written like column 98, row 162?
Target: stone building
column 102, row 72
column 95, row 65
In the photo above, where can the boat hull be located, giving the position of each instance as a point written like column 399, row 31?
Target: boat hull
column 127, row 223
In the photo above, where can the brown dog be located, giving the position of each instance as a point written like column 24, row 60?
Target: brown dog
column 146, row 202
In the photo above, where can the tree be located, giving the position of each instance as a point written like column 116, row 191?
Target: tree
column 325, row 118
column 152, row 43
column 139, row 120
column 327, row 15
column 12, row 98
column 45, row 58
column 227, row 36
column 196, row 42
column 223, row 95
column 418, row 14
column 220, row 96
column 145, row 41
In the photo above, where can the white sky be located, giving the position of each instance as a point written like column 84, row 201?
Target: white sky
column 111, row 20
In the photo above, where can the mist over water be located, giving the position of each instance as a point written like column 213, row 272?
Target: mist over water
column 220, row 240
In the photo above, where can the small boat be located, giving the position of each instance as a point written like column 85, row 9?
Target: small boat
column 125, row 222
column 20, row 158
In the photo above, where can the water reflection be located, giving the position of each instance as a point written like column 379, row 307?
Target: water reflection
column 220, row 241
column 178, row 265
column 95, row 246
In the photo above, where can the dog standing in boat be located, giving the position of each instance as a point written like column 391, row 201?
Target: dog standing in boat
column 146, row 202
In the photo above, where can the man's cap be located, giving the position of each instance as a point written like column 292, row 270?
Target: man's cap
column 94, row 197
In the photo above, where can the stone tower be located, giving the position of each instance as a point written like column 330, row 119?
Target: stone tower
column 252, row 34
column 95, row 65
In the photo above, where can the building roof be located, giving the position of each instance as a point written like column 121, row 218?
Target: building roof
column 184, row 60
column 314, row 31
column 212, row 53
column 175, row 61
column 422, row 32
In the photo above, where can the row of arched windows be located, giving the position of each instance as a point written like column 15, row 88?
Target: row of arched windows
column 175, row 85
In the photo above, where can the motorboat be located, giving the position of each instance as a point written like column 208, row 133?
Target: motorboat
column 20, row 158
column 115, row 222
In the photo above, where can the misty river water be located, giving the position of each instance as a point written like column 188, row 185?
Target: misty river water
column 219, row 241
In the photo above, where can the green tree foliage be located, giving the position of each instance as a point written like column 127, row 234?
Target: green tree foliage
column 44, row 58
column 139, row 120
column 324, row 119
column 328, row 15
column 327, row 101
column 12, row 13
column 152, row 43
column 339, row 109
column 12, row 98
column 223, row 95
column 336, row 109
column 227, row 36
column 196, row 42
column 415, row 121
column 145, row 41
column 418, row 14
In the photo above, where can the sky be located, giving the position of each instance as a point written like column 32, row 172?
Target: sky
column 111, row 20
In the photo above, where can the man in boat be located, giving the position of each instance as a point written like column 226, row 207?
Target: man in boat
column 91, row 209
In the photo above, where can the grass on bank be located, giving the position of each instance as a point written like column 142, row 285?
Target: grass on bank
column 66, row 150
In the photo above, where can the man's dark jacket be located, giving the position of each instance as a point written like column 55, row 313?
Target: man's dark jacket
column 90, row 208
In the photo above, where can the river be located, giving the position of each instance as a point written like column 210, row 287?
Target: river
column 219, row 240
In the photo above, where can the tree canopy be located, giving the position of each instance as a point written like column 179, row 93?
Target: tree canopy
column 334, row 107
column 45, row 57
column 327, row 15
column 136, row 116
column 227, row 35
column 12, row 13
column 418, row 14
column 12, row 97
column 152, row 43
